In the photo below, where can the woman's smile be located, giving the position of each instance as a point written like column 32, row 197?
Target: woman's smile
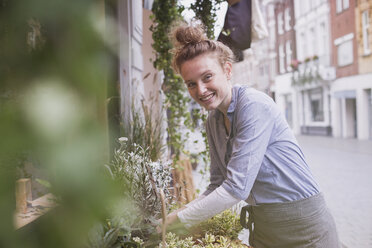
column 208, row 82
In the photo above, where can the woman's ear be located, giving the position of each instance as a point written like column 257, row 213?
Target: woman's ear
column 228, row 69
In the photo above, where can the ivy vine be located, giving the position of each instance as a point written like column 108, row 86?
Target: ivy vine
column 205, row 11
column 165, row 12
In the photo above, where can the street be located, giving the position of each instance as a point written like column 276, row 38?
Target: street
column 343, row 169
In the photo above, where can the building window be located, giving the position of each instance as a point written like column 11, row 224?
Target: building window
column 345, row 49
column 323, row 38
column 341, row 5
column 272, row 37
column 287, row 16
column 280, row 23
column 345, row 53
column 288, row 54
column 281, row 59
column 302, row 53
column 316, row 104
column 345, row 4
column 273, row 68
column 312, row 42
column 271, row 11
column 365, row 26
column 288, row 109
column 297, row 8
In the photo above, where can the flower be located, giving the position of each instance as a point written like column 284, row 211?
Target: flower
column 295, row 63
column 123, row 139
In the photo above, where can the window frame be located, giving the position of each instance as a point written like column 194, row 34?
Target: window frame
column 365, row 33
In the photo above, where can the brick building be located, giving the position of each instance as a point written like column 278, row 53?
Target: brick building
column 351, row 91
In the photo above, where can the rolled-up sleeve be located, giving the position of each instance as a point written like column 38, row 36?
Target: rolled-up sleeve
column 254, row 125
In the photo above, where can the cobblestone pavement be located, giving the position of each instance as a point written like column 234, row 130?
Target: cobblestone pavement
column 343, row 168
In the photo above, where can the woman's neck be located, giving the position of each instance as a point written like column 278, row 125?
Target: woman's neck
column 224, row 106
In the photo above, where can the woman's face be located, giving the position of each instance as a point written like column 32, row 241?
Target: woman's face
column 208, row 81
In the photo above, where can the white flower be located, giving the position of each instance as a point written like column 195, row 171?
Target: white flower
column 123, row 139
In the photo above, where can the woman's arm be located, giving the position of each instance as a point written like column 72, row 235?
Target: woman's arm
column 207, row 207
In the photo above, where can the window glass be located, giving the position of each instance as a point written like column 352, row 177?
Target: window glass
column 345, row 4
column 345, row 53
column 287, row 19
column 288, row 54
column 316, row 104
column 281, row 59
column 365, row 26
column 338, row 6
column 280, row 23
column 288, row 109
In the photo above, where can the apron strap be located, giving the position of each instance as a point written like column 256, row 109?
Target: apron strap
column 243, row 221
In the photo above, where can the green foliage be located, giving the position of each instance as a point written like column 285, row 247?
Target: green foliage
column 226, row 224
column 219, row 231
column 208, row 241
column 205, row 11
column 53, row 74
column 145, row 132
column 165, row 13
column 140, row 179
column 306, row 72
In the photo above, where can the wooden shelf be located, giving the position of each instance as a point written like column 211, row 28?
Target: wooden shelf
column 35, row 209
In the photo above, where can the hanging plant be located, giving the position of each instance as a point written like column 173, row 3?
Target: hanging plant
column 205, row 11
column 165, row 12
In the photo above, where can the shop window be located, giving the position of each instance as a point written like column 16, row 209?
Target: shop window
column 288, row 109
column 316, row 104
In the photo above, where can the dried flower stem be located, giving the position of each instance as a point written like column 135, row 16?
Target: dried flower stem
column 164, row 216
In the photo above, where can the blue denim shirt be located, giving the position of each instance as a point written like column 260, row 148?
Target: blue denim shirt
column 260, row 161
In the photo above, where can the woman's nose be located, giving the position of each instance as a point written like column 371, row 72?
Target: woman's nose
column 201, row 89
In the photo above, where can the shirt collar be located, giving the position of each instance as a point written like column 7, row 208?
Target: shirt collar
column 234, row 96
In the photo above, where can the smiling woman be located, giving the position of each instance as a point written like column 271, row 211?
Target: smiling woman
column 206, row 77
column 254, row 154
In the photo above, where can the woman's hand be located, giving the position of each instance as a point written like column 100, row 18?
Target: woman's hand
column 171, row 219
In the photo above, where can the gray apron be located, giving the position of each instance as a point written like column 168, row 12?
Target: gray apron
column 299, row 224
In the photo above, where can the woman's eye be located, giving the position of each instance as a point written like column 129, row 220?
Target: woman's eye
column 190, row 85
column 208, row 77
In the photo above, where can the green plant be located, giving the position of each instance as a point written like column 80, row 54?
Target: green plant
column 306, row 72
column 207, row 241
column 205, row 11
column 165, row 13
column 226, row 224
column 144, row 131
column 140, row 179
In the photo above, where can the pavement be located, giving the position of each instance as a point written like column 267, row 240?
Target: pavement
column 343, row 169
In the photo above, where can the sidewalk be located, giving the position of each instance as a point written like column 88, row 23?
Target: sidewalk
column 343, row 169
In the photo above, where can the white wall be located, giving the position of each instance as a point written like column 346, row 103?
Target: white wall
column 360, row 84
